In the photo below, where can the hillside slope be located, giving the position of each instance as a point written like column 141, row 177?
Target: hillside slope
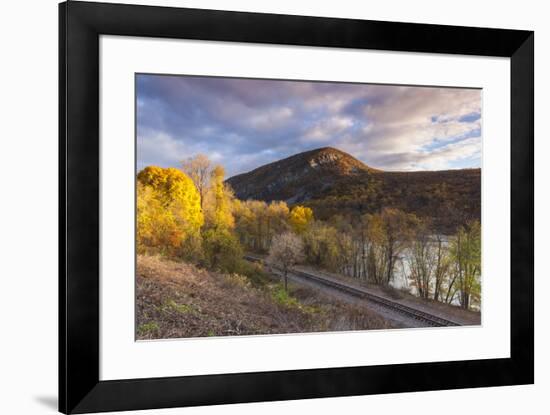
column 300, row 177
column 333, row 182
column 177, row 300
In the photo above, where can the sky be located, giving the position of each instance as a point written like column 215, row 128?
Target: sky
column 245, row 123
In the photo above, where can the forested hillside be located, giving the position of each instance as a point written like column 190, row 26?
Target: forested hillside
column 332, row 182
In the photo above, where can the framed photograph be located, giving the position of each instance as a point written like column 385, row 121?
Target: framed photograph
column 260, row 207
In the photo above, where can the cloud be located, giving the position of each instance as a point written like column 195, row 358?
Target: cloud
column 458, row 154
column 327, row 130
column 244, row 123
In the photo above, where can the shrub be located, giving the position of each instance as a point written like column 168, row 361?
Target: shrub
column 254, row 272
column 222, row 250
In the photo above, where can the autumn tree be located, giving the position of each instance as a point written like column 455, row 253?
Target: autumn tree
column 222, row 250
column 320, row 245
column 343, row 238
column 199, row 169
column 220, row 202
column 286, row 251
column 276, row 219
column 221, row 246
column 257, row 222
column 422, row 260
column 244, row 222
column 249, row 223
column 393, row 231
column 300, row 218
column 169, row 216
column 442, row 265
column 466, row 267
column 372, row 266
column 375, row 250
column 259, row 211
column 346, row 254
column 152, row 222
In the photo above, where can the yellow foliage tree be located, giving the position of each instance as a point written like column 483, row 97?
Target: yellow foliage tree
column 169, row 216
column 276, row 219
column 300, row 218
column 222, row 198
column 222, row 249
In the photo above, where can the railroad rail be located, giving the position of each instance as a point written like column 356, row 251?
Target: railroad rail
column 410, row 312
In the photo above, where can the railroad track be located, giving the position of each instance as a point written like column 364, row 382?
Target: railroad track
column 410, row 312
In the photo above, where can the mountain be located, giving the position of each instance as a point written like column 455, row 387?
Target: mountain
column 333, row 182
column 301, row 177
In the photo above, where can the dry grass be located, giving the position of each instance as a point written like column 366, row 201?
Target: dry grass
column 176, row 300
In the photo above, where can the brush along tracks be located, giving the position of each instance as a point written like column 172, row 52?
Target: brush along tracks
column 421, row 316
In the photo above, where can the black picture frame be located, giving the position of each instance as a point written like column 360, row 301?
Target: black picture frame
column 80, row 26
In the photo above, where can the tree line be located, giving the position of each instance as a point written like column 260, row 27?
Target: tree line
column 192, row 214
